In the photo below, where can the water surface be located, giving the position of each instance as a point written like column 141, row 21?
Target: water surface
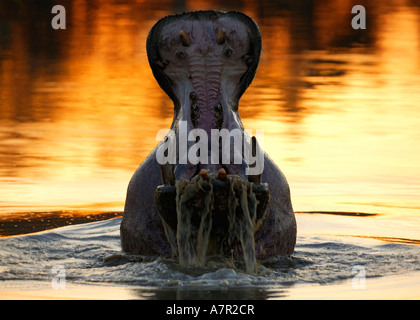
column 90, row 257
column 80, row 110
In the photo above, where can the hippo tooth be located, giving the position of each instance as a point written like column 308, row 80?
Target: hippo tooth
column 254, row 145
column 185, row 39
column 221, row 175
column 255, row 179
column 221, row 36
column 203, row 173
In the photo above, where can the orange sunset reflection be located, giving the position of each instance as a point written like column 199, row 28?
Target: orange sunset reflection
column 80, row 109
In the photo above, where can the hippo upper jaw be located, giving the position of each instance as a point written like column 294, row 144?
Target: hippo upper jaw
column 204, row 61
column 225, row 36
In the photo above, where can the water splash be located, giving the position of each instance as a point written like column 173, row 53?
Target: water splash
column 194, row 205
column 242, row 219
column 91, row 254
column 192, row 241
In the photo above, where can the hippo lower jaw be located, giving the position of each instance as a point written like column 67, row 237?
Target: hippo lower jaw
column 212, row 214
column 166, row 196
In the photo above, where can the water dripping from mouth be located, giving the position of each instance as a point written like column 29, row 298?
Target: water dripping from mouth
column 195, row 201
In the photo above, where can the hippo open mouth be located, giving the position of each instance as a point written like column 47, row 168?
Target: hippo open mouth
column 204, row 61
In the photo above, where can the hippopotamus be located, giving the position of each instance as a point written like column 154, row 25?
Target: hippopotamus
column 204, row 61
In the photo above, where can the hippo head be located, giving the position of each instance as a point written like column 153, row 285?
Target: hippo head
column 204, row 61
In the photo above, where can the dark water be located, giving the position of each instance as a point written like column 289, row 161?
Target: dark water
column 90, row 254
column 80, row 110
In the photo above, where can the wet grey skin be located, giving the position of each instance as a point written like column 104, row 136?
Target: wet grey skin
column 204, row 61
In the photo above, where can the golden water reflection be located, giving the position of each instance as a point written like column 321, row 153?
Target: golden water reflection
column 80, row 109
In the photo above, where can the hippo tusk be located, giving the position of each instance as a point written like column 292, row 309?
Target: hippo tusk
column 185, row 39
column 221, row 175
column 254, row 178
column 221, row 36
column 204, row 174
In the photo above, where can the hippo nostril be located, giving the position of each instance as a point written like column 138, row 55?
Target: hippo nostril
column 228, row 52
